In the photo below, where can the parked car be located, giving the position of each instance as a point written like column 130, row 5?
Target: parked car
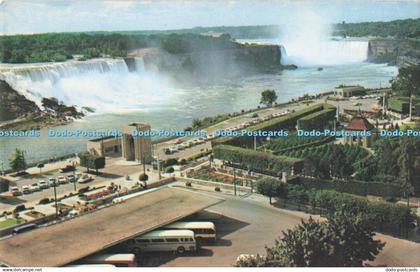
column 26, row 189
column 85, row 179
column 71, row 178
column 180, row 147
column 43, row 184
column 62, row 180
column 185, row 145
column 15, row 191
column 34, row 187
column 67, row 168
column 52, row 181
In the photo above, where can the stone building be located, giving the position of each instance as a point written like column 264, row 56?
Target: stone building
column 360, row 124
column 136, row 148
column 132, row 148
column 347, row 91
column 106, row 146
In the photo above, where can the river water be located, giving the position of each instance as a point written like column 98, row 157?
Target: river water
column 121, row 97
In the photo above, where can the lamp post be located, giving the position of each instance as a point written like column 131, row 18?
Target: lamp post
column 55, row 199
column 74, row 174
column 234, row 181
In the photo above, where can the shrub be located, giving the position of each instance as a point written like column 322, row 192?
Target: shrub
column 143, row 177
column 256, row 160
column 217, row 189
column 19, row 208
column 44, row 201
column 188, row 184
column 383, row 216
column 169, row 169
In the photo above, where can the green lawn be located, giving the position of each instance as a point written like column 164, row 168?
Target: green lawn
column 9, row 222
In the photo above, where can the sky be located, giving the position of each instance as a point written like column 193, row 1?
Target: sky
column 37, row 16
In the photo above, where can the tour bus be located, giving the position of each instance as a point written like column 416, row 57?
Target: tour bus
column 164, row 240
column 118, row 260
column 24, row 228
column 202, row 230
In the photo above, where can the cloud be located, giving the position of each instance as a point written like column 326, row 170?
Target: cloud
column 29, row 16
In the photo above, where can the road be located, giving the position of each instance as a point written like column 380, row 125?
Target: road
column 247, row 224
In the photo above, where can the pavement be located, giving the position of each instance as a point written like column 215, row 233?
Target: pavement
column 246, row 224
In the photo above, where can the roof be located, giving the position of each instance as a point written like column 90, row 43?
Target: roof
column 66, row 242
column 165, row 233
column 189, row 225
column 97, row 258
column 359, row 123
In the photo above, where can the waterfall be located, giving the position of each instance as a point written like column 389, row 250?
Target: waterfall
column 326, row 52
column 139, row 64
column 103, row 84
column 283, row 55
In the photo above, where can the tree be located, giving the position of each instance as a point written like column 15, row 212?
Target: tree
column 268, row 97
column 89, row 160
column 343, row 240
column 17, row 161
column 407, row 81
column 143, row 177
column 196, row 123
column 270, row 187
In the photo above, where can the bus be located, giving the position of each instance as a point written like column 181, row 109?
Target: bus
column 118, row 260
column 202, row 230
column 24, row 228
column 164, row 240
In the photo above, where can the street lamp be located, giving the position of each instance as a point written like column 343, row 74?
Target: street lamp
column 74, row 174
column 234, row 181
column 55, row 198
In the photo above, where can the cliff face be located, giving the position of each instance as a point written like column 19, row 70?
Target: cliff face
column 13, row 104
column 210, row 63
column 394, row 51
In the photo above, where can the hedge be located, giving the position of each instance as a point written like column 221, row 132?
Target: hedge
column 401, row 104
column 257, row 161
column 317, row 120
column 352, row 187
column 384, row 216
column 278, row 123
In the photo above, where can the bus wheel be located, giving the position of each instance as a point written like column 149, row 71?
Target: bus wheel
column 136, row 250
column 180, row 250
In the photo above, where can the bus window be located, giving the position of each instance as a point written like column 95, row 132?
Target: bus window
column 171, row 240
column 158, row 240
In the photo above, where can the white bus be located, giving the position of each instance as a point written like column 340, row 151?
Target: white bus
column 202, row 230
column 118, row 260
column 164, row 240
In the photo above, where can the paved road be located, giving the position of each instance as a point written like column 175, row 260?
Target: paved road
column 248, row 224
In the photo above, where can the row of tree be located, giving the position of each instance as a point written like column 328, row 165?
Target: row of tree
column 407, row 28
column 383, row 216
column 61, row 46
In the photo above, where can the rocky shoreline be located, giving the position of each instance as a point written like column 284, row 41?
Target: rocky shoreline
column 19, row 113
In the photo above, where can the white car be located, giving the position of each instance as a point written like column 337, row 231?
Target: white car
column 26, row 189
column 43, row 184
column 173, row 149
column 34, row 187
column 62, row 180
column 180, row 147
column 52, row 181
column 15, row 190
